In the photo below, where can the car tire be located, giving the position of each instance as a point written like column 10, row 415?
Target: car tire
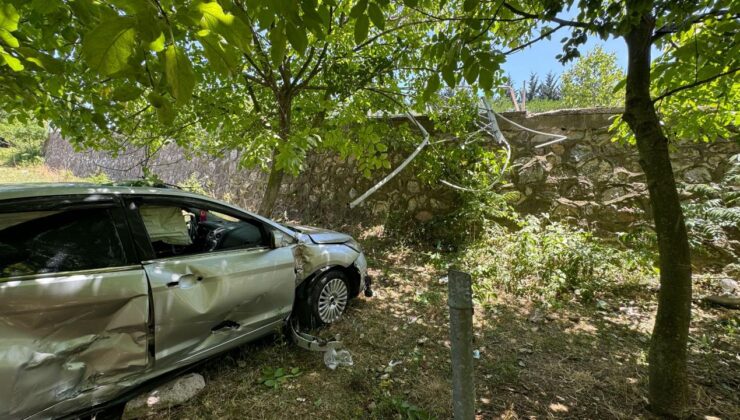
column 326, row 299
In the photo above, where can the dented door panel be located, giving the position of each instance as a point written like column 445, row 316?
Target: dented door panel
column 67, row 335
column 204, row 300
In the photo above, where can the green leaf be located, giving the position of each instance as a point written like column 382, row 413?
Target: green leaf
column 270, row 383
column 620, row 85
column 471, row 72
column 277, row 44
column 46, row 6
column 42, row 60
column 233, row 29
column 99, row 120
column 222, row 58
column 109, row 45
column 448, row 74
column 358, row 9
column 362, row 25
column 158, row 44
column 411, row 3
column 469, row 5
column 265, row 17
column 297, row 38
column 376, row 15
column 179, row 74
column 156, row 99
column 9, row 18
column 485, row 79
column 165, row 113
column 127, row 93
column 295, row 370
column 432, row 86
column 310, row 13
column 12, row 62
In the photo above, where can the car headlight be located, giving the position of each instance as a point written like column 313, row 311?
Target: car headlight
column 354, row 245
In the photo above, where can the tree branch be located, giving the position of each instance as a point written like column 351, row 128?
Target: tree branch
column 671, row 28
column 539, row 38
column 304, row 67
column 466, row 18
column 695, row 84
column 255, row 80
column 314, row 71
column 388, row 31
column 299, row 84
column 253, row 97
column 563, row 22
column 385, row 94
column 254, row 64
column 266, row 73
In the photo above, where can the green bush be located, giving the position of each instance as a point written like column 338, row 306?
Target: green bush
column 99, row 178
column 551, row 261
column 712, row 213
column 27, row 139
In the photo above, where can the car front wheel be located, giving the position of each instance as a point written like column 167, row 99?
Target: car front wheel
column 328, row 296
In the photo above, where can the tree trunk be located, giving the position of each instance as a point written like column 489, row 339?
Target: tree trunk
column 275, row 180
column 668, row 387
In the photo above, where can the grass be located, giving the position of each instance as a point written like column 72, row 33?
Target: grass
column 575, row 361
column 14, row 174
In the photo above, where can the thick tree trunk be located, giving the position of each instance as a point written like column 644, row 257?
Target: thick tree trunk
column 275, row 180
column 668, row 387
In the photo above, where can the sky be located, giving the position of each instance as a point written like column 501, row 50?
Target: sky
column 540, row 57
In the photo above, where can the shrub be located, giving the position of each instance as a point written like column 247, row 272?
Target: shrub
column 712, row 214
column 27, row 139
column 550, row 261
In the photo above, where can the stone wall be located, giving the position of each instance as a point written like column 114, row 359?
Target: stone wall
column 591, row 180
column 586, row 178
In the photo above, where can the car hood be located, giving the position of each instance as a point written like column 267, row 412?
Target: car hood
column 323, row 236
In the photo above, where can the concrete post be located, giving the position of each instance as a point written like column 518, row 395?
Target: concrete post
column 460, row 301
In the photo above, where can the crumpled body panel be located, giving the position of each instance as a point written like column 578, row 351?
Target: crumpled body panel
column 205, row 300
column 63, row 336
column 310, row 258
column 71, row 342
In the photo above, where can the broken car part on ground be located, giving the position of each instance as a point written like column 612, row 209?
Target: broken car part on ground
column 104, row 288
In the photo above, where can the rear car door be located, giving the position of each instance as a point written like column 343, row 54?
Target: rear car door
column 208, row 295
column 74, row 303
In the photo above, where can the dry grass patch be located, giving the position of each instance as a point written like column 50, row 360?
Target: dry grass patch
column 573, row 362
column 23, row 173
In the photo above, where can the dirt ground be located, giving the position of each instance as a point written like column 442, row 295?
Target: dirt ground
column 576, row 361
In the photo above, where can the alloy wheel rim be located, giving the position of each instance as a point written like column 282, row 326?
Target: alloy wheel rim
column 332, row 300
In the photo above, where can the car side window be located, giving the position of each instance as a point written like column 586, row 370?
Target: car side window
column 41, row 242
column 184, row 230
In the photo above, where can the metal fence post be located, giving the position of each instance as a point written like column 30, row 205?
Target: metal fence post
column 460, row 301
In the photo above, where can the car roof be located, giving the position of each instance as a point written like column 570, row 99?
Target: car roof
column 13, row 191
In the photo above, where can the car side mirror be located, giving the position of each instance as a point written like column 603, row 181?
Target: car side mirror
column 279, row 239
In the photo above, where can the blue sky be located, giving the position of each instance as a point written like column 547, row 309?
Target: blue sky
column 540, row 57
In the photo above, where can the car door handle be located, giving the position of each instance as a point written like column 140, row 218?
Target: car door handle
column 185, row 281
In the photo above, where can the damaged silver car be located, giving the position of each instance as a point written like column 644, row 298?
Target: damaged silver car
column 105, row 288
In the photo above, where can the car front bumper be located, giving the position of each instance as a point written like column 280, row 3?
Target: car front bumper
column 361, row 264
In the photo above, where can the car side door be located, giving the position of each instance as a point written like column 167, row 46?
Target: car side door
column 206, row 298
column 74, row 304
